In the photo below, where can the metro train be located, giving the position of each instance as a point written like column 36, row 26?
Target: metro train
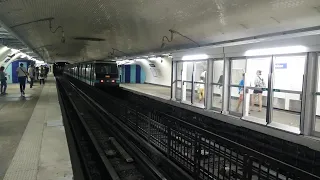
column 95, row 73
column 58, row 68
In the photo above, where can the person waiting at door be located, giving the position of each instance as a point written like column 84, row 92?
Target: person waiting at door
column 22, row 77
column 259, row 84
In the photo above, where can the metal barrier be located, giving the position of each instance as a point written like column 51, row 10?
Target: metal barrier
column 203, row 154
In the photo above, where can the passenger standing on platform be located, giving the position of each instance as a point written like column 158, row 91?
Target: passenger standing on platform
column 22, row 77
column 42, row 74
column 3, row 80
column 241, row 86
column 31, row 75
column 258, row 83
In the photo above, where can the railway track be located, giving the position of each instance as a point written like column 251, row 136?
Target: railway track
column 200, row 153
column 101, row 153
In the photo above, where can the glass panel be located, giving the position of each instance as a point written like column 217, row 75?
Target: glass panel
column 186, row 92
column 106, row 68
column 217, row 89
column 179, row 70
column 199, row 95
column 217, row 96
column 287, row 106
column 178, row 91
column 292, row 66
column 257, row 80
column 238, row 68
column 317, row 123
column 235, row 100
column 200, row 76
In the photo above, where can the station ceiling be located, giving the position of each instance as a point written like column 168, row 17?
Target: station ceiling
column 95, row 29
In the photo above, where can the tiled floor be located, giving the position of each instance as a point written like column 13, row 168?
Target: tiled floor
column 40, row 150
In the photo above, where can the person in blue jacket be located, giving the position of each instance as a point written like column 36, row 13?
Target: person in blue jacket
column 241, row 92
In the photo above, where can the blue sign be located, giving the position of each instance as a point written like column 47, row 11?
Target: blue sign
column 280, row 66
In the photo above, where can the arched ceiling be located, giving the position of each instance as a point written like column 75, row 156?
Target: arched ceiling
column 137, row 26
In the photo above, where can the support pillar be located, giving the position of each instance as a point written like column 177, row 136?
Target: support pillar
column 209, row 86
column 173, row 80
column 309, row 101
column 226, row 78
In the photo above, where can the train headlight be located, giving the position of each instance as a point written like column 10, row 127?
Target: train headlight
column 101, row 81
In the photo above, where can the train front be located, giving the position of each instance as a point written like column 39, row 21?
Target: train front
column 107, row 75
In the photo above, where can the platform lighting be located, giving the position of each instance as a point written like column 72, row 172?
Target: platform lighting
column 14, row 50
column 140, row 59
column 23, row 55
column 154, row 58
column 195, row 57
column 277, row 50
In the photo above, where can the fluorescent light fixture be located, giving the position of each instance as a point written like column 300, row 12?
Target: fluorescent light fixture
column 277, row 50
column 125, row 62
column 23, row 55
column 195, row 57
column 140, row 59
column 14, row 50
column 154, row 58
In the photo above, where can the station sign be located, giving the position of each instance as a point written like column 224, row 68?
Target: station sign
column 280, row 65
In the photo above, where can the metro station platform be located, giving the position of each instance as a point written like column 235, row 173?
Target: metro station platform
column 289, row 118
column 33, row 143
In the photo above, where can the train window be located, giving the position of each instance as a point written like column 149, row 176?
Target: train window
column 106, row 68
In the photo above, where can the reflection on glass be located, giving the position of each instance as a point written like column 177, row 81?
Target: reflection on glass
column 286, row 108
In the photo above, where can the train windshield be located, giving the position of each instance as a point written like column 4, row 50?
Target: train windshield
column 105, row 68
